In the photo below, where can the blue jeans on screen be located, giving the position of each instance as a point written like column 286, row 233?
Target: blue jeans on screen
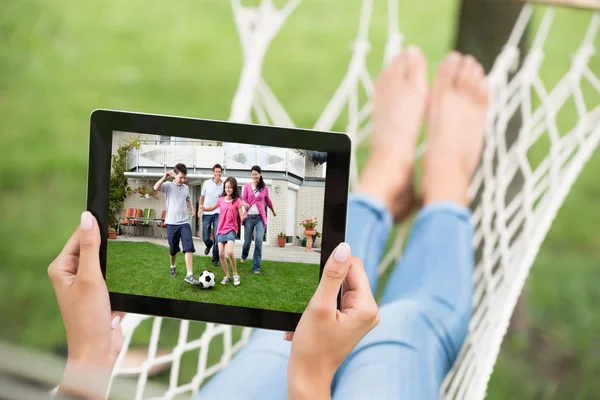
column 207, row 222
column 425, row 312
column 253, row 224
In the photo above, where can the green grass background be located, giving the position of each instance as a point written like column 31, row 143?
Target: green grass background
column 143, row 269
column 60, row 60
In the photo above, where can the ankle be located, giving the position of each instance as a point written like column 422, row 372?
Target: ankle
column 379, row 181
column 446, row 187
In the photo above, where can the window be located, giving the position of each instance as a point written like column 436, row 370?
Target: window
column 162, row 139
column 171, row 140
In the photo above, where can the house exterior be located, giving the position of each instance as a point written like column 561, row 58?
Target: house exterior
column 295, row 182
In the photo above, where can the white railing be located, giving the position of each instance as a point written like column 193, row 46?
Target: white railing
column 230, row 156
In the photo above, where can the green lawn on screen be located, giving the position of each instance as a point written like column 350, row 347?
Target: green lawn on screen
column 143, row 269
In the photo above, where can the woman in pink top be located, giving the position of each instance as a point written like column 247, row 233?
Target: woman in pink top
column 228, row 226
column 256, row 200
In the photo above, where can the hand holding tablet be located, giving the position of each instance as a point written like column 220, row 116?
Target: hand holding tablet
column 94, row 334
column 326, row 335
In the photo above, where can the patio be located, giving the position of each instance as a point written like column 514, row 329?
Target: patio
column 289, row 253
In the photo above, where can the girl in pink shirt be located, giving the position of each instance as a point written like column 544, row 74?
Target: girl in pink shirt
column 231, row 212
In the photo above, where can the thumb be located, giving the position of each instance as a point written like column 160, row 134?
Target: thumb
column 89, row 247
column 334, row 273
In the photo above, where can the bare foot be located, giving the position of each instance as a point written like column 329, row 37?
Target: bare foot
column 398, row 111
column 456, row 129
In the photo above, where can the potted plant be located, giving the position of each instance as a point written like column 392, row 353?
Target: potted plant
column 112, row 233
column 147, row 192
column 281, row 239
column 309, row 225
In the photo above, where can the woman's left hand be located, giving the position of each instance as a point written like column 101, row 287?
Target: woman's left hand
column 94, row 336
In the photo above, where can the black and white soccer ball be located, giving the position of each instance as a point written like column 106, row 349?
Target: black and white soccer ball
column 207, row 280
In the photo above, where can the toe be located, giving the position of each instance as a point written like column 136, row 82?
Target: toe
column 397, row 67
column 400, row 65
column 448, row 70
column 416, row 66
column 479, row 85
column 483, row 92
column 465, row 74
column 476, row 76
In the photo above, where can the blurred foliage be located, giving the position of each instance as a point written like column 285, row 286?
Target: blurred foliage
column 60, row 60
column 119, row 189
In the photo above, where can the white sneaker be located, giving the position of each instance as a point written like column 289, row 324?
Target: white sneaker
column 225, row 280
column 236, row 280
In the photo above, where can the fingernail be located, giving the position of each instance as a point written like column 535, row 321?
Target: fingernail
column 342, row 252
column 411, row 51
column 287, row 336
column 115, row 322
column 86, row 221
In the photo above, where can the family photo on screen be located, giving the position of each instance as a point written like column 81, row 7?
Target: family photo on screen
column 241, row 221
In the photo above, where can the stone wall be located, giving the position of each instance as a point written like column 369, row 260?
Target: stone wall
column 277, row 224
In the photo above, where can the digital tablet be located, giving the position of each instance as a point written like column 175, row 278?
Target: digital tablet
column 178, row 198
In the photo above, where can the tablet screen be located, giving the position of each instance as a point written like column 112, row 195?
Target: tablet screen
column 257, row 241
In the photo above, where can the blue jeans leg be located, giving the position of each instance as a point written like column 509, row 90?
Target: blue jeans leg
column 424, row 319
column 368, row 226
column 426, row 308
column 257, row 371
column 259, row 233
column 206, row 223
column 248, row 228
column 215, row 250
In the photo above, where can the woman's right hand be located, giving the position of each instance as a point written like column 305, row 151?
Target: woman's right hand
column 325, row 335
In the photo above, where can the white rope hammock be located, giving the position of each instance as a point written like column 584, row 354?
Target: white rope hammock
column 510, row 233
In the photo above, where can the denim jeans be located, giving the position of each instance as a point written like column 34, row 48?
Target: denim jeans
column 425, row 312
column 207, row 221
column 254, row 223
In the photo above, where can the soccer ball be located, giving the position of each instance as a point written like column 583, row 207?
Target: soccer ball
column 207, row 280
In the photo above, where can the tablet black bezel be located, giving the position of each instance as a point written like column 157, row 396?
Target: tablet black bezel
column 338, row 146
